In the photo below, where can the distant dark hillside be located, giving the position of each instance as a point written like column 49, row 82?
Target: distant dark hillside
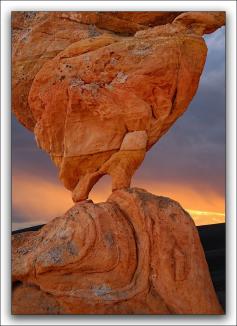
column 213, row 241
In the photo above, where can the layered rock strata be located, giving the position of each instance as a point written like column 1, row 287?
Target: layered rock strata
column 137, row 253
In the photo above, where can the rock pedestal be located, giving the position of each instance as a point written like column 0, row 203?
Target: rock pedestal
column 137, row 253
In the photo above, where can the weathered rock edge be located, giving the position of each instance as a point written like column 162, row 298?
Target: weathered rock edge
column 137, row 253
column 100, row 89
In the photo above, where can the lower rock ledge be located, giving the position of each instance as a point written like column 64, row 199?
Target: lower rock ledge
column 137, row 253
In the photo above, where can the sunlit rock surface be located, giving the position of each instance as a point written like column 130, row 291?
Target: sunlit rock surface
column 99, row 89
column 137, row 253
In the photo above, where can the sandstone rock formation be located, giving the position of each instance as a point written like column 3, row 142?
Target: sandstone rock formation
column 99, row 89
column 134, row 254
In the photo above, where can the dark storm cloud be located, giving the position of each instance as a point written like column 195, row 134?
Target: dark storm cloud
column 26, row 156
column 193, row 150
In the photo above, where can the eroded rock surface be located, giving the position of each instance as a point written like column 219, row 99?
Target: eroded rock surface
column 87, row 84
column 137, row 253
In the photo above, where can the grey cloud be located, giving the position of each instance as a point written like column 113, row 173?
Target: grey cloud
column 27, row 157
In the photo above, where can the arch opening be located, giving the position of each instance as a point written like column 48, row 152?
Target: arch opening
column 102, row 189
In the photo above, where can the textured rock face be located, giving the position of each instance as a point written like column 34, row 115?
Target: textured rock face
column 40, row 36
column 99, row 89
column 134, row 254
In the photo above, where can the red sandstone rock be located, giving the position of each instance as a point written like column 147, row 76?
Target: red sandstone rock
column 87, row 89
column 135, row 254
column 98, row 90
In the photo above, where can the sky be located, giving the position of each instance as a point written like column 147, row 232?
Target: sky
column 187, row 164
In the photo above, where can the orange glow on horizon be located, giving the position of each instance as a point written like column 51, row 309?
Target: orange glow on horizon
column 38, row 200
